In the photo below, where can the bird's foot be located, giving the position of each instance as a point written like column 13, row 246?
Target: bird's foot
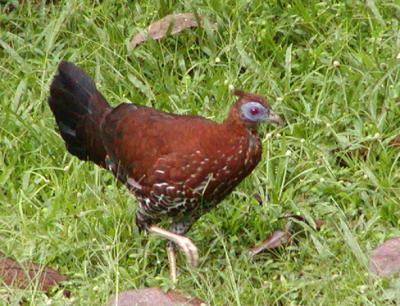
column 186, row 245
column 190, row 250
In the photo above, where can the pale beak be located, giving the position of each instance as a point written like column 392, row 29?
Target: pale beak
column 274, row 118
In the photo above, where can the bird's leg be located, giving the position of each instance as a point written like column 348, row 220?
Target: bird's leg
column 183, row 242
column 175, row 236
column 180, row 227
column 171, row 252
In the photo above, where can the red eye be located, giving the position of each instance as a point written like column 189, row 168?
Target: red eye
column 254, row 111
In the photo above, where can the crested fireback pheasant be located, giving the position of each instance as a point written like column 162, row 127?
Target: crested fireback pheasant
column 177, row 166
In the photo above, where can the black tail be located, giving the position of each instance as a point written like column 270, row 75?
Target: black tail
column 79, row 109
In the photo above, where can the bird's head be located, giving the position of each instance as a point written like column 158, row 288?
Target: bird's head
column 250, row 110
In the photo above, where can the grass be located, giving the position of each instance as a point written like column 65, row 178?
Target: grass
column 331, row 68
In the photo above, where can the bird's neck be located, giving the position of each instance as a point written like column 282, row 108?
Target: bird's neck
column 237, row 125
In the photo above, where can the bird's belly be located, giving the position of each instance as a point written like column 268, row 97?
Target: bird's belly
column 202, row 199
column 198, row 184
column 163, row 205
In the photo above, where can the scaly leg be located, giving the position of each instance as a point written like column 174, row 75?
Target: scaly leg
column 183, row 242
column 171, row 252
column 175, row 237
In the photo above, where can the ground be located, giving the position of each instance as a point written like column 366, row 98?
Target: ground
column 330, row 68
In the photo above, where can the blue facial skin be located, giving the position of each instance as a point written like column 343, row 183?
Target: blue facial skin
column 254, row 112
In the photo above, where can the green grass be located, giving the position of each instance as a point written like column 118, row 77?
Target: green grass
column 329, row 67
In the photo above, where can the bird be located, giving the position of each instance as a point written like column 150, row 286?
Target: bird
column 178, row 167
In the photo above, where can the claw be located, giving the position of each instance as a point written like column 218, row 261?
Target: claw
column 190, row 250
column 184, row 243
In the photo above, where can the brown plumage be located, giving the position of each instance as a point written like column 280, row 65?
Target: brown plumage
column 177, row 166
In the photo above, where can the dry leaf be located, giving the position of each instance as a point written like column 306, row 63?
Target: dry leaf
column 153, row 296
column 385, row 259
column 395, row 142
column 21, row 276
column 275, row 240
column 171, row 24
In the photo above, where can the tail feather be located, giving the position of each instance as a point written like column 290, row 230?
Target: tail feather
column 79, row 109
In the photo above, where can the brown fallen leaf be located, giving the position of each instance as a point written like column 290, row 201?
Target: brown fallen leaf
column 385, row 259
column 318, row 222
column 275, row 240
column 170, row 24
column 395, row 142
column 153, row 296
column 22, row 275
